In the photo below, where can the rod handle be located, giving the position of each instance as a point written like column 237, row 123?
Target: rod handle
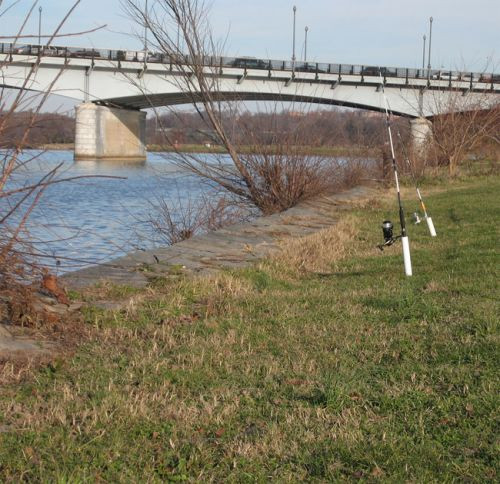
column 432, row 230
column 406, row 255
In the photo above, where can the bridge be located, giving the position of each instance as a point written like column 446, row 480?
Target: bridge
column 114, row 85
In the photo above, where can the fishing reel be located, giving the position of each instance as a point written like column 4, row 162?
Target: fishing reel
column 388, row 231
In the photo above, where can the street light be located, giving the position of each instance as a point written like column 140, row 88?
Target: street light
column 293, row 46
column 40, row 25
column 423, row 54
column 305, row 45
column 430, row 42
column 145, row 29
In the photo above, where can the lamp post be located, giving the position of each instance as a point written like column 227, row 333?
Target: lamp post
column 146, row 30
column 40, row 25
column 305, row 44
column 430, row 43
column 293, row 43
column 423, row 53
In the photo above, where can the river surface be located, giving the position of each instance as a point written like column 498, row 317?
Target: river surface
column 91, row 220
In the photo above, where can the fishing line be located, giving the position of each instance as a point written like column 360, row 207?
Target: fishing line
column 387, row 226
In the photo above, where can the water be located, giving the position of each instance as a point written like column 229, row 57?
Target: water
column 91, row 220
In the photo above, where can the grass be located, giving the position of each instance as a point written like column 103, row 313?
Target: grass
column 312, row 150
column 287, row 371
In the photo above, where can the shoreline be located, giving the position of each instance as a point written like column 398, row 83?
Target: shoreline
column 203, row 149
column 234, row 246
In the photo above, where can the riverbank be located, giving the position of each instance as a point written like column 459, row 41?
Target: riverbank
column 320, row 363
column 207, row 149
column 232, row 247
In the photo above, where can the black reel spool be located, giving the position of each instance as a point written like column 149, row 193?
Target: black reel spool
column 388, row 231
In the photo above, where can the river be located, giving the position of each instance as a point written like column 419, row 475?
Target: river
column 92, row 220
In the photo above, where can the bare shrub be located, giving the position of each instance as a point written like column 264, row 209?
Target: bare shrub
column 177, row 218
column 19, row 258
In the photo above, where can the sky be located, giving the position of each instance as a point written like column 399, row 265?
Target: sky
column 465, row 35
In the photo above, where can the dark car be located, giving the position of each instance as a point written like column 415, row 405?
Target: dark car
column 307, row 67
column 495, row 78
column 376, row 71
column 249, row 63
column 85, row 53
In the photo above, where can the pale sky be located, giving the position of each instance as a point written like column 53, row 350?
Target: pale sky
column 466, row 34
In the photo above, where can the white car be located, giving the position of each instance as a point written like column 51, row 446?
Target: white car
column 445, row 75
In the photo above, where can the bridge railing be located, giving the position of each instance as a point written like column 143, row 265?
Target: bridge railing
column 249, row 63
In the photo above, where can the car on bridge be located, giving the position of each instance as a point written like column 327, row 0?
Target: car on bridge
column 85, row 53
column 249, row 63
column 48, row 50
column 378, row 71
column 308, row 67
column 446, row 75
column 489, row 78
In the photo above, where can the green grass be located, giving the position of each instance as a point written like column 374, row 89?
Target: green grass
column 357, row 373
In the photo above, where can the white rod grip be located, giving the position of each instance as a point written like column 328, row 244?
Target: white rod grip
column 432, row 230
column 406, row 255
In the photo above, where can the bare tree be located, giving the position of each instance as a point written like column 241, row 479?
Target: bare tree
column 272, row 176
column 463, row 123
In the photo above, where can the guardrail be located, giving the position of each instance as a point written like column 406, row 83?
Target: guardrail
column 249, row 63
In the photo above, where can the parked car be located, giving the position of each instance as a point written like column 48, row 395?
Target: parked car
column 249, row 63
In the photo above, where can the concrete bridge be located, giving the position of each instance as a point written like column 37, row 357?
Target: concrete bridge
column 114, row 86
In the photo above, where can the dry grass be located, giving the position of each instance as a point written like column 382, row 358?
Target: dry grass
column 318, row 252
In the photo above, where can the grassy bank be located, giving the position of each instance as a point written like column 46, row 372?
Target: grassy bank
column 323, row 364
column 201, row 148
column 313, row 150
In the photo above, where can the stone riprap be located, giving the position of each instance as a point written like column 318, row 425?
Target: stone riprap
column 232, row 247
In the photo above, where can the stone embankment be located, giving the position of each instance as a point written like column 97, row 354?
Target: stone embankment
column 232, row 247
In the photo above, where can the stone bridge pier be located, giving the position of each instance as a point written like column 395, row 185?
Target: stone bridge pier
column 104, row 133
column 421, row 135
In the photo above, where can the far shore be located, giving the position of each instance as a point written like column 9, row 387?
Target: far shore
column 217, row 149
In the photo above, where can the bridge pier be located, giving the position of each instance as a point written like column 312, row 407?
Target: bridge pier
column 421, row 135
column 104, row 133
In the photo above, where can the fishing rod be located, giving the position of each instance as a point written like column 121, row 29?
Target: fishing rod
column 387, row 226
column 428, row 219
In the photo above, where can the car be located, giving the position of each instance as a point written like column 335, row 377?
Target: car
column 249, row 63
column 445, row 75
column 308, row 67
column 155, row 57
column 23, row 49
column 85, row 53
column 489, row 78
column 53, row 51
column 378, row 71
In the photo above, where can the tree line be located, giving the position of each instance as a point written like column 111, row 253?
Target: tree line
column 325, row 127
